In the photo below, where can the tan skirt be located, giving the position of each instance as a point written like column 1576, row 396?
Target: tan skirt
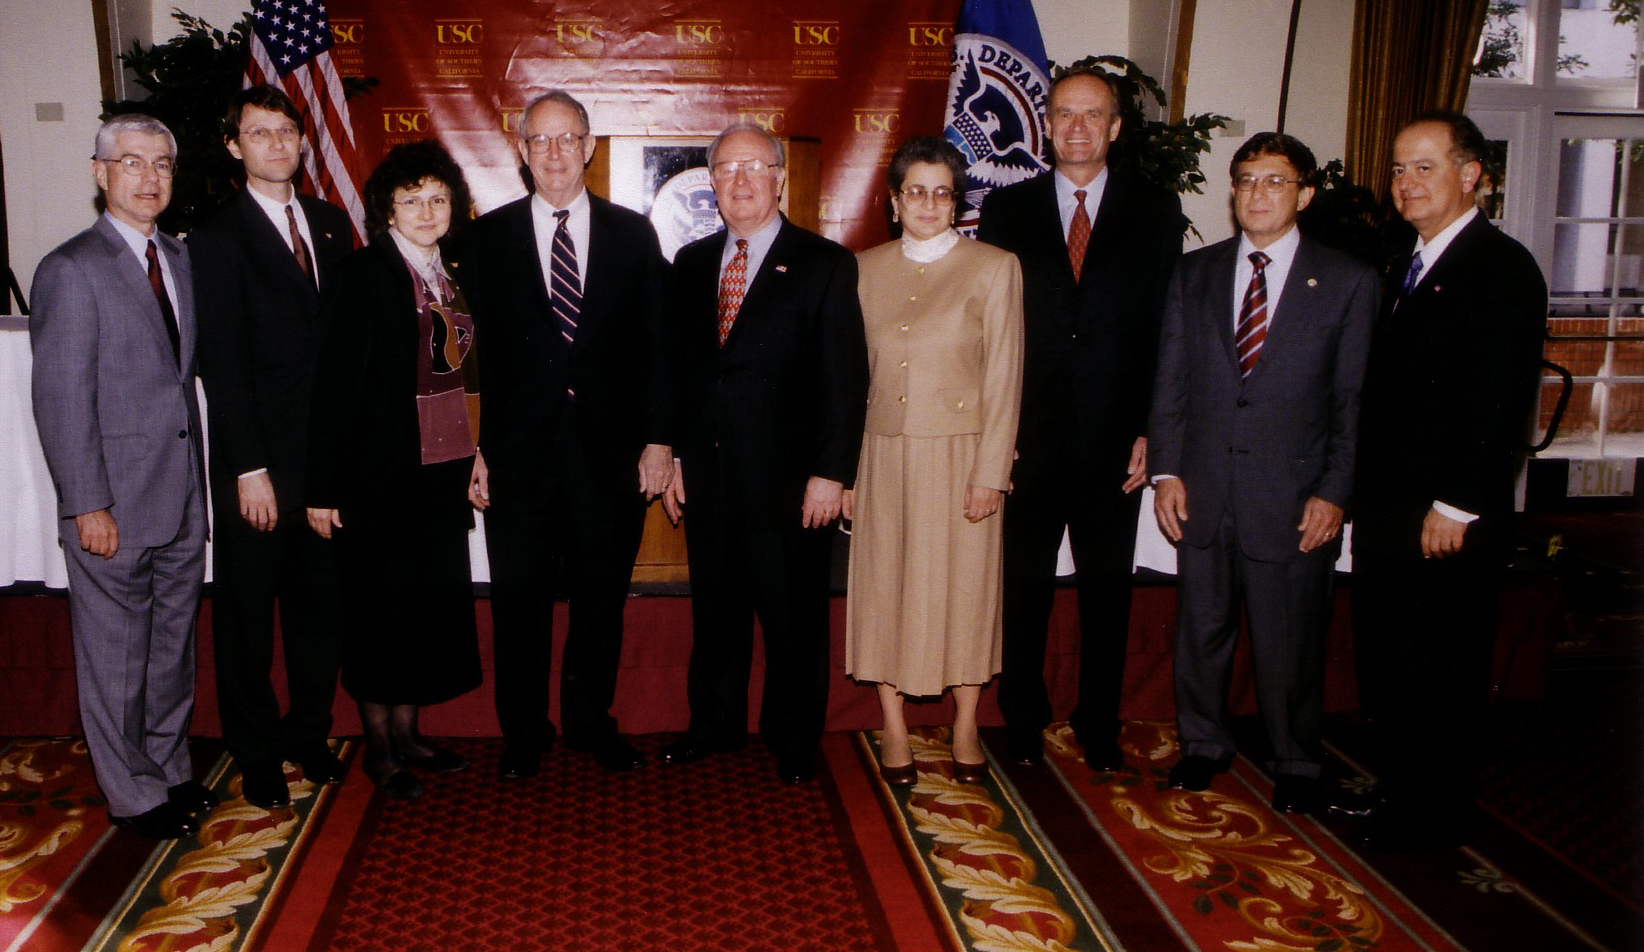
column 923, row 609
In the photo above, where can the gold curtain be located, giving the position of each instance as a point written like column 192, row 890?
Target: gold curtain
column 1409, row 56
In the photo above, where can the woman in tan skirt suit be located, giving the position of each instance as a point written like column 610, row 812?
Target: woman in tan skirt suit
column 944, row 327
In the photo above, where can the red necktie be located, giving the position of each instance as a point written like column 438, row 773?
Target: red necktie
column 157, row 281
column 298, row 246
column 1252, row 328
column 733, row 284
column 1078, row 235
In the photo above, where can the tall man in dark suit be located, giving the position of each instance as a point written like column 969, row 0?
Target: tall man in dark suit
column 259, row 265
column 575, row 378
column 113, row 340
column 1096, row 249
column 775, row 381
column 1255, row 416
column 1446, row 405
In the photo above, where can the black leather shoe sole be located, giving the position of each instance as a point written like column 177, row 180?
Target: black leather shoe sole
column 796, row 770
column 168, row 821
column 320, row 765
column 615, row 754
column 1194, row 773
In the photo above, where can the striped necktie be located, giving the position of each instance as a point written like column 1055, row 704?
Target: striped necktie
column 565, row 286
column 1252, row 328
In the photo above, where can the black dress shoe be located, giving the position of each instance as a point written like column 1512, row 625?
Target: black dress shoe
column 518, row 764
column 1104, row 756
column 1195, row 773
column 193, row 798
column 613, row 753
column 438, row 760
column 1025, row 748
column 796, row 769
column 320, row 765
column 262, row 783
column 1295, row 794
column 402, row 784
column 689, row 750
column 168, row 821
column 904, row 776
column 1363, row 806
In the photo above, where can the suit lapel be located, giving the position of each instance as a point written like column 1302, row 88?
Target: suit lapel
column 769, row 281
column 183, row 307
column 1223, row 274
column 131, row 278
column 1106, row 231
column 267, row 244
column 602, row 253
column 329, row 246
column 1285, row 322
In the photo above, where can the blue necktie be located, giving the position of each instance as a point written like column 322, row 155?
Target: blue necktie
column 1412, row 276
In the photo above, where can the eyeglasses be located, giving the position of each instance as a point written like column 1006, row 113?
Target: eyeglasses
column 417, row 202
column 566, row 141
column 1271, row 184
column 263, row 136
column 135, row 165
column 917, row 194
column 725, row 171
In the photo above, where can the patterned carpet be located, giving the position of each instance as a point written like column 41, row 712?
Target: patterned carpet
column 719, row 856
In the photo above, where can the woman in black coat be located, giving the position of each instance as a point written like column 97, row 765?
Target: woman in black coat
column 391, row 458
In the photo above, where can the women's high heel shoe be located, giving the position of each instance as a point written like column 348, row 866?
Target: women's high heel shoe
column 969, row 773
column 903, row 776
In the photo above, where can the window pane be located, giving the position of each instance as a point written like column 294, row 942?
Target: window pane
column 1570, row 345
column 1596, row 42
column 1624, row 427
column 1492, row 189
column 1581, row 258
column 1590, row 178
column 1501, row 45
column 1578, row 431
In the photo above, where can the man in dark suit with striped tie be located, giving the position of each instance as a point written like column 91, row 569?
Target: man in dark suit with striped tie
column 259, row 266
column 575, row 378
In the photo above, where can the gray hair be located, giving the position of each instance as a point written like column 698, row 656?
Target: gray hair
column 564, row 99
column 776, row 144
column 130, row 122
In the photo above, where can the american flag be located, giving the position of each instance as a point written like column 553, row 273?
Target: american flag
column 291, row 48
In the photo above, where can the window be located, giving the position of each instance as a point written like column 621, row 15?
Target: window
column 1557, row 82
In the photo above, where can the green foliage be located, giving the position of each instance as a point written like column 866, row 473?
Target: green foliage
column 1164, row 153
column 1348, row 217
column 190, row 79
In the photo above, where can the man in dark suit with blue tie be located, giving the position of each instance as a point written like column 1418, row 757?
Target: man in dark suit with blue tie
column 1447, row 399
column 774, row 366
column 1252, row 439
column 112, row 336
column 259, row 266
column 577, row 394
column 1097, row 248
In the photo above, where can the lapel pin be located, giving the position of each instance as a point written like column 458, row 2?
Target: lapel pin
column 1437, row 288
column 781, row 269
column 1312, row 282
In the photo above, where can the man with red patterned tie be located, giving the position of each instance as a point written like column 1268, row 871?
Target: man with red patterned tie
column 1252, row 440
column 1096, row 248
column 774, row 365
column 259, row 266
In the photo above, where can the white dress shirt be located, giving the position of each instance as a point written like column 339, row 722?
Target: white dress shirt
column 1065, row 200
column 276, row 214
column 545, row 224
column 759, row 245
column 138, row 242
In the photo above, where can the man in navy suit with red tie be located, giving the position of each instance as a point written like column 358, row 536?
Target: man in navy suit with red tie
column 1096, row 248
column 260, row 265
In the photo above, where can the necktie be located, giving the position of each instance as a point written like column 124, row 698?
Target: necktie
column 1413, row 276
column 733, row 284
column 1252, row 328
column 298, row 246
column 565, row 286
column 157, row 281
column 1078, row 234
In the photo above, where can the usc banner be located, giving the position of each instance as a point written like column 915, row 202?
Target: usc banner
column 858, row 75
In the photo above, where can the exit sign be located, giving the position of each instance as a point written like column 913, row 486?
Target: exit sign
column 1601, row 477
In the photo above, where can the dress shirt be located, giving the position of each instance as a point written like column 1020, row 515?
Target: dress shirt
column 276, row 214
column 138, row 242
column 759, row 244
column 1065, row 200
column 1282, row 254
column 545, row 224
column 1430, row 251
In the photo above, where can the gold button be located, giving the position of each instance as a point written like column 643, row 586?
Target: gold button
column 921, row 269
column 913, row 297
column 904, row 363
column 961, row 404
column 904, row 327
column 901, row 399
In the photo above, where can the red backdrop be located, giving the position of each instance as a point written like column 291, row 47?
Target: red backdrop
column 858, row 75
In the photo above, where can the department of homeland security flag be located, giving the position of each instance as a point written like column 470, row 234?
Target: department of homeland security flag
column 291, row 48
column 996, row 97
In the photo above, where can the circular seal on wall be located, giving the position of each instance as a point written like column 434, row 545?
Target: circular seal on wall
column 996, row 107
column 684, row 210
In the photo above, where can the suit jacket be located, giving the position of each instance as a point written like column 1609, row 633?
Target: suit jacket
column 259, row 335
column 620, row 365
column 785, row 398
column 1091, row 344
column 116, row 409
column 946, row 360
column 1448, row 392
column 1254, row 449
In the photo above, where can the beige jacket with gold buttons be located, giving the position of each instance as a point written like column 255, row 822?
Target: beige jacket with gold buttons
column 945, row 348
